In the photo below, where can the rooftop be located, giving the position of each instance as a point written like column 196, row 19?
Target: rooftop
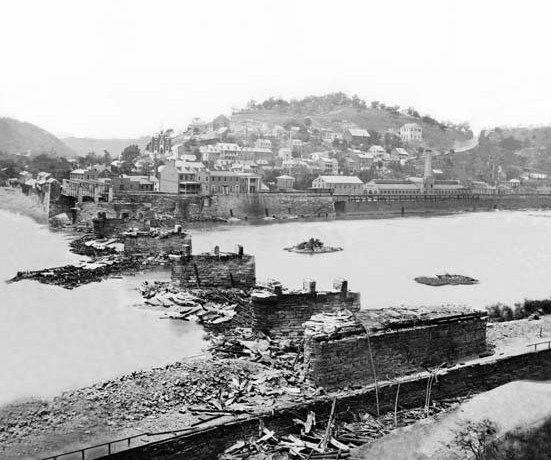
column 356, row 132
column 341, row 179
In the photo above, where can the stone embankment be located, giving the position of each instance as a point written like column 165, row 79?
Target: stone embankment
column 265, row 379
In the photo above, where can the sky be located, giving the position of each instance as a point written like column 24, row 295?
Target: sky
column 118, row 68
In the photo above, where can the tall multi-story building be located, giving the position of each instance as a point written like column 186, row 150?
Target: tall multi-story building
column 161, row 144
column 411, row 132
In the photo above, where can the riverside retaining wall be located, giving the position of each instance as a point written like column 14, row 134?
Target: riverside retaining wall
column 169, row 209
column 455, row 382
column 439, row 205
column 352, row 360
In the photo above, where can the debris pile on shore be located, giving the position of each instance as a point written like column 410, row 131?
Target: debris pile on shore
column 319, row 438
column 87, row 245
column 312, row 246
column 72, row 276
column 446, row 279
column 214, row 308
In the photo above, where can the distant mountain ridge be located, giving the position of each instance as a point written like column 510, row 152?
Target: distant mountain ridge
column 84, row 145
column 21, row 137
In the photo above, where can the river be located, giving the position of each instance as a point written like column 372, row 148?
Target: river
column 52, row 339
column 509, row 252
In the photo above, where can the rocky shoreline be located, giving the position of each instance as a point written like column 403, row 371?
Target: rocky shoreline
column 259, row 375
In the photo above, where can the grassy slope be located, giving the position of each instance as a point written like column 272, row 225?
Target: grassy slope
column 538, row 137
column 17, row 136
column 369, row 118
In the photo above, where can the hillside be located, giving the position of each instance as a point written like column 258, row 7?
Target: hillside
column 21, row 137
column 332, row 111
column 84, row 145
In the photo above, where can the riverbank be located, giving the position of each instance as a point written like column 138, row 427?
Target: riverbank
column 14, row 200
column 163, row 399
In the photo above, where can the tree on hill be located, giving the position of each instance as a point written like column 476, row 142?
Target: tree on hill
column 130, row 153
column 510, row 143
column 59, row 167
column 106, row 159
column 128, row 157
column 374, row 137
column 413, row 113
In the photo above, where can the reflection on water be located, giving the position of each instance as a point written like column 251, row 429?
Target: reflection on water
column 53, row 339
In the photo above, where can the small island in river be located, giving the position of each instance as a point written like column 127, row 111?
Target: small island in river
column 312, row 246
column 446, row 279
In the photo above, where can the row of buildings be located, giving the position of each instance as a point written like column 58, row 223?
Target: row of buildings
column 260, row 135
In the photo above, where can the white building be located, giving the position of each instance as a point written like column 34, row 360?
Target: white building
column 228, row 151
column 285, row 153
column 263, row 144
column 339, row 185
column 411, row 132
column 378, row 152
column 328, row 166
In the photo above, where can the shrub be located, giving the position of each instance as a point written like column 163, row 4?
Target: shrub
column 506, row 313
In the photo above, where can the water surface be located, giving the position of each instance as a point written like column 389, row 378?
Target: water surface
column 53, row 339
column 509, row 252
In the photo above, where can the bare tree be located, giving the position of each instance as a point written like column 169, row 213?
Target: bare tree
column 476, row 438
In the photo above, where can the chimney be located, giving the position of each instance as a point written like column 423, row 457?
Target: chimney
column 309, row 286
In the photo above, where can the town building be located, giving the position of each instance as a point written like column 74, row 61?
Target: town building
column 356, row 136
column 133, row 183
column 180, row 177
column 285, row 153
column 399, row 154
column 285, row 183
column 197, row 126
column 393, row 187
column 327, row 166
column 160, row 145
column 257, row 153
column 84, row 174
column 411, row 132
column 328, row 136
column 225, row 182
column 263, row 144
column 339, row 185
column 296, row 145
column 221, row 121
column 378, row 152
column 228, row 151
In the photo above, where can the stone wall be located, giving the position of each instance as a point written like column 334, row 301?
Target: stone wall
column 259, row 205
column 441, row 205
column 350, row 360
column 148, row 243
column 210, row 270
column 284, row 314
column 451, row 383
column 170, row 209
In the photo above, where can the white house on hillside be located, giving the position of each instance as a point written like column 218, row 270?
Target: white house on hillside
column 411, row 132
